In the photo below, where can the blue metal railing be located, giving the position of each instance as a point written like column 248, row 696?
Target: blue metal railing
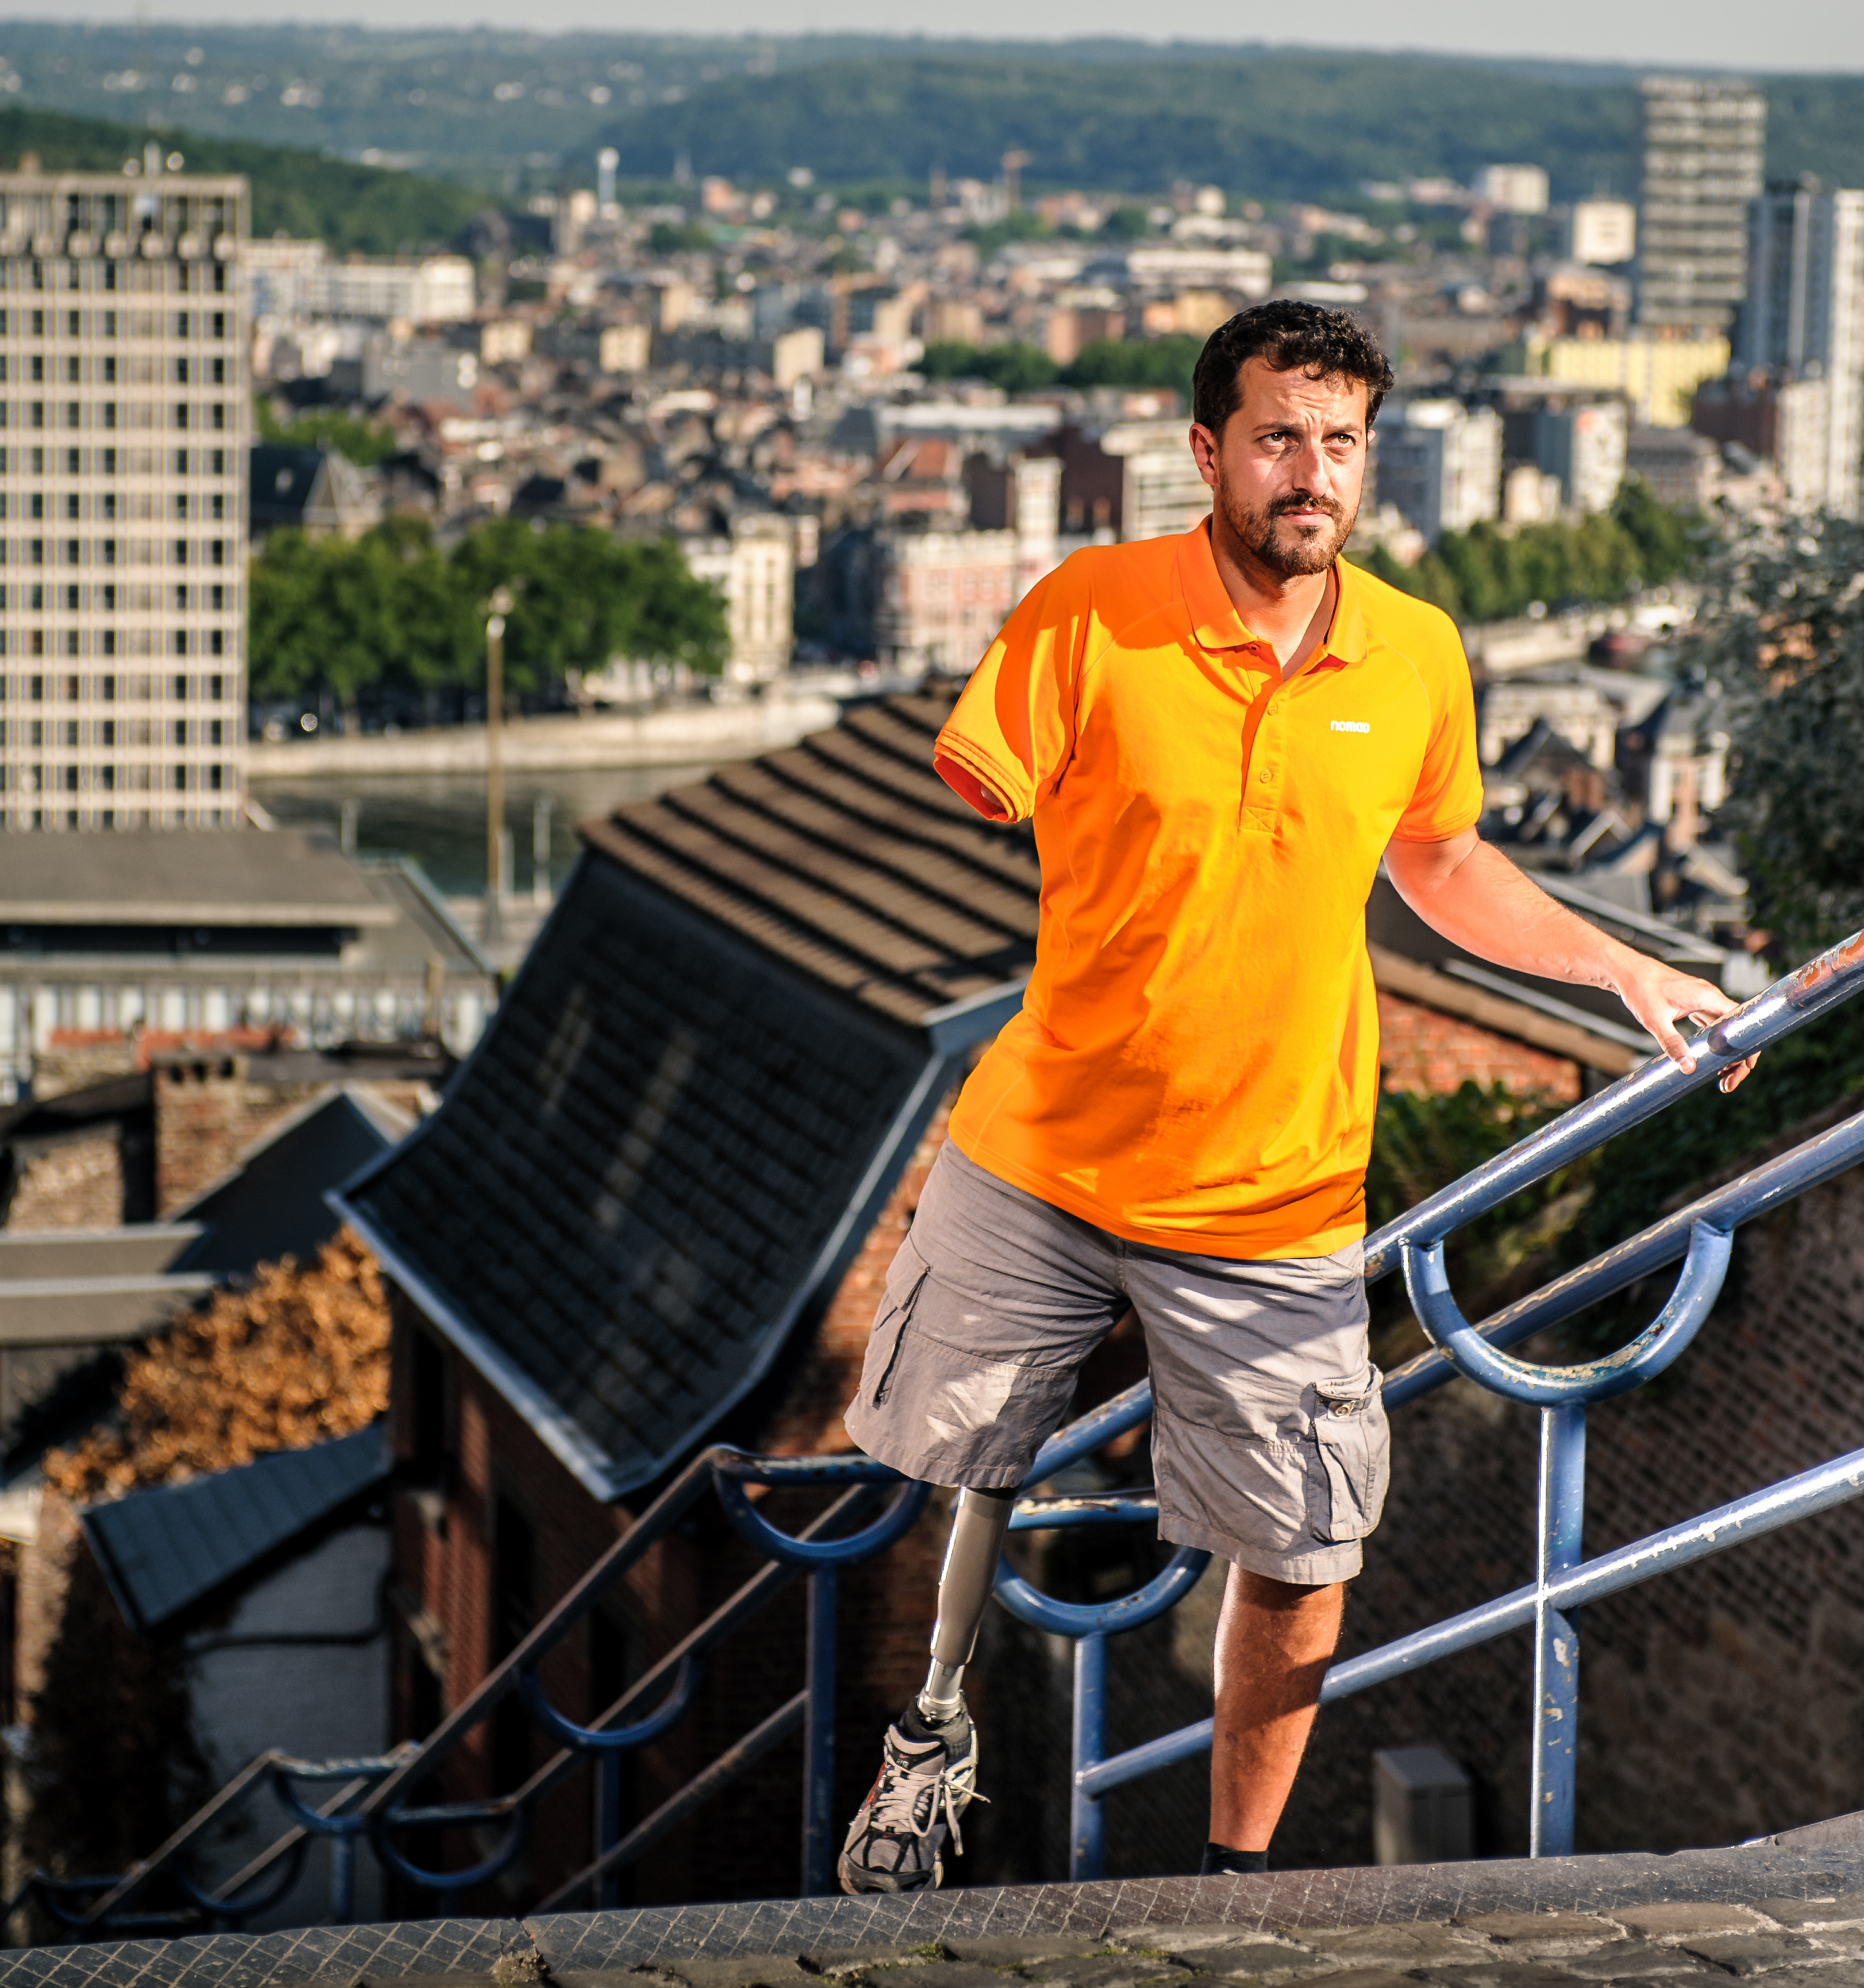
column 373, row 1797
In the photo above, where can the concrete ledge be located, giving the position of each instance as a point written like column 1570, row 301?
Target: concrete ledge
column 683, row 734
column 776, row 1942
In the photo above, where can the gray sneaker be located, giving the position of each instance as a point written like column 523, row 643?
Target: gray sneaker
column 895, row 1842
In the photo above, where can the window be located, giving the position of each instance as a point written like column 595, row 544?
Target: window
column 107, row 732
column 216, row 462
column 109, row 283
column 181, row 372
column 35, row 732
column 180, row 607
column 179, row 690
column 178, row 731
column 220, row 278
column 107, row 598
column 217, row 415
column 35, row 414
column 109, row 369
column 110, row 468
column 107, row 641
column 74, row 324
column 181, row 415
column 216, row 372
column 106, row 690
column 216, row 552
column 36, row 367
column 36, row 596
column 35, row 642
column 68, row 732
column 106, row 505
column 38, row 323
column 216, row 602
column 110, row 324
column 216, row 688
column 215, row 732
column 35, row 505
column 38, row 462
column 180, row 559
column 217, row 324
column 216, row 642
column 178, row 642
column 74, row 464
column 71, row 600
column 74, row 371
column 73, row 508
column 181, row 504
column 177, row 779
column 183, row 328
column 216, row 507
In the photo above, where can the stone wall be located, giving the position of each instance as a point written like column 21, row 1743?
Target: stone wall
column 76, row 1184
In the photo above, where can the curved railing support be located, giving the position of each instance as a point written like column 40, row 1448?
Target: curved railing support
column 1704, row 1268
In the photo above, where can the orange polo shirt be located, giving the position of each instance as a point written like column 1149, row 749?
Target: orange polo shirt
column 1195, row 1064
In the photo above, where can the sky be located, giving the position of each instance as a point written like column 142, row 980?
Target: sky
column 1781, row 35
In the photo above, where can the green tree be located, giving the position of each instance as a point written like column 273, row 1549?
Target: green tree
column 1670, row 542
column 1781, row 627
column 365, row 443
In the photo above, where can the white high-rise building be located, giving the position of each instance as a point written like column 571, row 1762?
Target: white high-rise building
column 1514, row 189
column 1602, row 232
column 1803, row 320
column 123, row 433
column 1585, row 447
column 1704, row 143
column 1440, row 463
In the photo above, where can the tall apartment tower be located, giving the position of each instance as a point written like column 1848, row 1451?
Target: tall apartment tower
column 1803, row 318
column 123, row 421
column 1704, row 146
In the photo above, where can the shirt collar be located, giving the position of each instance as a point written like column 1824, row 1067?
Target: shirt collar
column 1217, row 625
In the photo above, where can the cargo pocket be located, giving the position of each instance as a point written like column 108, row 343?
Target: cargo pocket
column 907, row 1272
column 1355, row 1442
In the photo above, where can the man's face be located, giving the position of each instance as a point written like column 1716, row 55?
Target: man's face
column 1287, row 469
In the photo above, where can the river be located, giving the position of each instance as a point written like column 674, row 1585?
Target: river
column 439, row 819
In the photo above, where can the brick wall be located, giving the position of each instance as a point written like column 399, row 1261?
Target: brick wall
column 208, row 1111
column 76, row 1184
column 1420, row 1049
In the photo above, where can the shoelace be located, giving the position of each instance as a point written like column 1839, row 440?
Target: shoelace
column 889, row 1796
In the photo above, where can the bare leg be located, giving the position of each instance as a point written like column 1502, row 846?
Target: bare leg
column 1273, row 1645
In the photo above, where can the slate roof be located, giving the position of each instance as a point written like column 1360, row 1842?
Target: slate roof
column 163, row 1550
column 696, row 1095
column 848, row 855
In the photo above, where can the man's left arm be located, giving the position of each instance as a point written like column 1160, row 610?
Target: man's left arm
column 1469, row 891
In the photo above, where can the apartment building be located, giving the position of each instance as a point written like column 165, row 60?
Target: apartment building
column 1803, row 323
column 1704, row 142
column 123, row 431
column 1440, row 463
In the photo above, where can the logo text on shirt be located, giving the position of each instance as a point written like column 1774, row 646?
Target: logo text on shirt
column 1350, row 725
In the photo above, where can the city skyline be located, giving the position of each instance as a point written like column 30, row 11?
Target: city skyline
column 1805, row 36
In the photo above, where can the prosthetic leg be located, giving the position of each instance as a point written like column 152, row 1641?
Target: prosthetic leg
column 929, row 1765
column 971, row 1555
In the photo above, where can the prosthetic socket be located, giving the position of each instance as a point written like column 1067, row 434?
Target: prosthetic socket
column 978, row 1526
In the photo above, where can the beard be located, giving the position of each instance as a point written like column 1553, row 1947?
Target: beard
column 1291, row 550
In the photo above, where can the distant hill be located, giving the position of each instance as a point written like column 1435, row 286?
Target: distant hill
column 1276, row 124
column 299, row 193
column 510, row 112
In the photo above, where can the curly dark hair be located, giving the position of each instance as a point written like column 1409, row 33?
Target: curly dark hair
column 1325, row 344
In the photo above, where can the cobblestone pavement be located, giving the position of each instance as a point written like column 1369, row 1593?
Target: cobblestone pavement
column 1791, row 1908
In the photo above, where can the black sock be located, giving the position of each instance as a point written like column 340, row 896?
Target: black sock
column 918, row 1728
column 1219, row 1859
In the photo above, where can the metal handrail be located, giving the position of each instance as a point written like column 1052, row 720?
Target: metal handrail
column 373, row 1796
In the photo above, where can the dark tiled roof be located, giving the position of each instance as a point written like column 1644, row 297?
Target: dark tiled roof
column 162, row 1550
column 849, row 857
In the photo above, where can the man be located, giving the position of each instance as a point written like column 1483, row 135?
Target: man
column 1218, row 738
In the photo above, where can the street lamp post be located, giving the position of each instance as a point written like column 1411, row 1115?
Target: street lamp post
column 493, row 928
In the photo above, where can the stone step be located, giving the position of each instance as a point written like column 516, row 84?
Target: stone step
column 1790, row 1907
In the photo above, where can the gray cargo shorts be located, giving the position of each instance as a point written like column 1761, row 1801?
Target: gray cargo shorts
column 1270, row 1443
